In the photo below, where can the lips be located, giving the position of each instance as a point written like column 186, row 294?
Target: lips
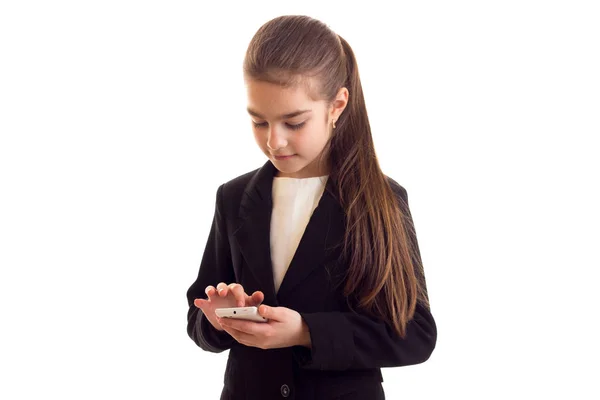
column 284, row 157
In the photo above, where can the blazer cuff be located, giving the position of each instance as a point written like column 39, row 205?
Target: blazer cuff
column 215, row 340
column 332, row 342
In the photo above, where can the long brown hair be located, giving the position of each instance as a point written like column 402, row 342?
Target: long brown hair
column 385, row 271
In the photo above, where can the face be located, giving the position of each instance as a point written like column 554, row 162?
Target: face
column 291, row 128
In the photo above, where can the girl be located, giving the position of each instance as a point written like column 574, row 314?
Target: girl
column 318, row 236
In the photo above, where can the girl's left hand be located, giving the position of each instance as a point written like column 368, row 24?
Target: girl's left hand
column 285, row 328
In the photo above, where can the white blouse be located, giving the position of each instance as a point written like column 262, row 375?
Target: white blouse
column 294, row 200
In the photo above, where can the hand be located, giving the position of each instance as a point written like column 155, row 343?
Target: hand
column 285, row 328
column 225, row 296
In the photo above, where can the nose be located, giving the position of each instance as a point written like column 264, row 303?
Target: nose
column 275, row 140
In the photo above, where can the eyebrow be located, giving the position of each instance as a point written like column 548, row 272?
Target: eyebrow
column 284, row 116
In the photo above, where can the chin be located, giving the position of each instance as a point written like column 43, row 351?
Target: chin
column 287, row 169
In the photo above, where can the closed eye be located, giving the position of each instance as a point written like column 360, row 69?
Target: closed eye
column 290, row 126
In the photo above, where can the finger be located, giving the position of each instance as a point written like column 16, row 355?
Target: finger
column 210, row 291
column 238, row 293
column 245, row 338
column 258, row 297
column 222, row 289
column 247, row 327
column 255, row 300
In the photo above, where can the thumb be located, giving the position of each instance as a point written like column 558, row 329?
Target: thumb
column 270, row 312
column 199, row 303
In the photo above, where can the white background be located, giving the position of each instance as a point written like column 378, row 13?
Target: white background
column 119, row 119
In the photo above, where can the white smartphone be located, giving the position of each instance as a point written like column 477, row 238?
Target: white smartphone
column 247, row 313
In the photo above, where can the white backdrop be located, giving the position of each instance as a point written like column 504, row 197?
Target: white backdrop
column 119, row 119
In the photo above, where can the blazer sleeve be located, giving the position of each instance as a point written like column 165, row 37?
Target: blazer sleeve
column 349, row 340
column 215, row 267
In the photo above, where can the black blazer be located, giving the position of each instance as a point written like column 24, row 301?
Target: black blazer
column 348, row 349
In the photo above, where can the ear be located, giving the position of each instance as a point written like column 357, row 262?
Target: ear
column 339, row 104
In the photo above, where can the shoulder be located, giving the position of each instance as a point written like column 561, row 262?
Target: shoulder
column 398, row 190
column 231, row 192
column 234, row 188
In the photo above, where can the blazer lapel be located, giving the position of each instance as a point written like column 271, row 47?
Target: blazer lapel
column 323, row 232
column 253, row 235
column 321, row 237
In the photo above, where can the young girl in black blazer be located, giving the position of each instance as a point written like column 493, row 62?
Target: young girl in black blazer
column 318, row 237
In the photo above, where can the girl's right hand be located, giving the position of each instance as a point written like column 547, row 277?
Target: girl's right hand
column 225, row 296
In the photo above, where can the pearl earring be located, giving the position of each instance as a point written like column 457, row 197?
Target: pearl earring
column 334, row 124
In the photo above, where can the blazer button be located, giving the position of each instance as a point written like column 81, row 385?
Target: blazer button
column 285, row 390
